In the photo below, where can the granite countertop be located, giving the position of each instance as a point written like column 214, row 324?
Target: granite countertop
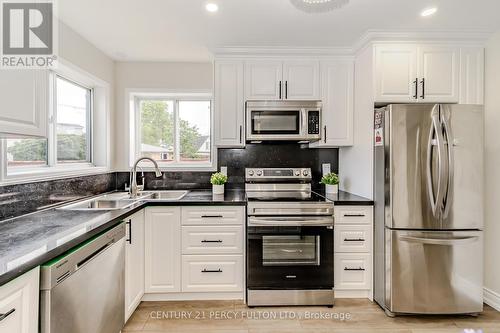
column 31, row 240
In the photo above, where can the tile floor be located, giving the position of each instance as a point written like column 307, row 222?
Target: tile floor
column 359, row 316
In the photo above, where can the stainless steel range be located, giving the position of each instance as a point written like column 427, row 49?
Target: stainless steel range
column 289, row 239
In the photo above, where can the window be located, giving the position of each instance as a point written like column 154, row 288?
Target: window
column 176, row 132
column 69, row 133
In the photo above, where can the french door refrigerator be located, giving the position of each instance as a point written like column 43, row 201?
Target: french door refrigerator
column 429, row 209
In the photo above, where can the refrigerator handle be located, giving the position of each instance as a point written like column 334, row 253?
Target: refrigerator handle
column 435, row 139
column 448, row 198
column 439, row 241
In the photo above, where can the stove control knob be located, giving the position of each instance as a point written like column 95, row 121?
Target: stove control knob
column 259, row 172
column 250, row 172
column 305, row 173
column 297, row 173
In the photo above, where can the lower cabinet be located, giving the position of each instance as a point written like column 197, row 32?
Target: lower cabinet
column 194, row 249
column 134, row 262
column 19, row 303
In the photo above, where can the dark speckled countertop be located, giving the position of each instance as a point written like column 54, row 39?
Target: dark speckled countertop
column 31, row 240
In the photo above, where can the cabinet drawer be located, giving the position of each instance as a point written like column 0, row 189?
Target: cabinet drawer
column 353, row 238
column 352, row 271
column 205, row 273
column 353, row 215
column 212, row 239
column 206, row 215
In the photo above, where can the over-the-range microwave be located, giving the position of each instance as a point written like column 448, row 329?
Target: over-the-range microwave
column 283, row 121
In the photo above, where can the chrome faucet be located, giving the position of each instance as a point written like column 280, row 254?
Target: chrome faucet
column 134, row 189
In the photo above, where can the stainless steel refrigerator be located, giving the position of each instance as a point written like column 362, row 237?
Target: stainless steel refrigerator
column 429, row 209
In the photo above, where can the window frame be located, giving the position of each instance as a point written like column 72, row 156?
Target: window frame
column 135, row 129
column 99, row 102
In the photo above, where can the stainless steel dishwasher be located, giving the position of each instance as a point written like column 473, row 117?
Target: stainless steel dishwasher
column 83, row 291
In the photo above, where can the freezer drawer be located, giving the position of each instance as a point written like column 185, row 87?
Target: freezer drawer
column 434, row 272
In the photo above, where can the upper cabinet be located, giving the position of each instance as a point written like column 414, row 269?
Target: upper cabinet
column 472, row 75
column 337, row 94
column 282, row 80
column 422, row 74
column 229, row 104
column 24, row 95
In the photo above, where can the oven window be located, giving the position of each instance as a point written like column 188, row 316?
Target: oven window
column 275, row 122
column 290, row 250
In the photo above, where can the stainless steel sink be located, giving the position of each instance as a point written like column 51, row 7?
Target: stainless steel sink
column 166, row 195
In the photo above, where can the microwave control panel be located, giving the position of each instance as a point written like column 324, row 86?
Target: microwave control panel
column 313, row 122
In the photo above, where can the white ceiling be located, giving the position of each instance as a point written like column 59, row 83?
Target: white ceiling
column 182, row 30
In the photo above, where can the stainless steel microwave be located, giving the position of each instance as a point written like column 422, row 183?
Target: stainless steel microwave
column 283, row 120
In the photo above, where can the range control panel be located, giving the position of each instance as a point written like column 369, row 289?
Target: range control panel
column 277, row 173
column 313, row 122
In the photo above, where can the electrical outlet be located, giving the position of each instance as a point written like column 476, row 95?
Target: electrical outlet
column 223, row 170
column 326, row 167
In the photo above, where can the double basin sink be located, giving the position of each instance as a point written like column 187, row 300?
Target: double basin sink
column 121, row 200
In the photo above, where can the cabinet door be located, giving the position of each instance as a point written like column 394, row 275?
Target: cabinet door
column 229, row 104
column 24, row 96
column 134, row 263
column 439, row 66
column 163, row 249
column 395, row 73
column 19, row 301
column 337, row 94
column 301, row 80
column 264, row 80
column 472, row 75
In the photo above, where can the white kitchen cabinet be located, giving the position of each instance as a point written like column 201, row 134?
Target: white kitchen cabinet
column 301, row 79
column 352, row 271
column 19, row 302
column 396, row 78
column 472, row 75
column 25, row 97
column 229, row 104
column 212, row 239
column 263, row 79
column 439, row 73
column 163, row 250
column 337, row 95
column 134, row 262
column 293, row 79
column 213, row 215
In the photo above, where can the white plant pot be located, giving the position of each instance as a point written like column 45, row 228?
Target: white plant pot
column 332, row 189
column 218, row 189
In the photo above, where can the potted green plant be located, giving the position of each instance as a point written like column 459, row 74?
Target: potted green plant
column 331, row 182
column 218, row 180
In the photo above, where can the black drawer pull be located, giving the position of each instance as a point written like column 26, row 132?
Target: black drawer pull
column 353, row 269
column 129, row 223
column 354, row 239
column 211, row 241
column 212, row 216
column 212, row 271
column 6, row 314
column 354, row 215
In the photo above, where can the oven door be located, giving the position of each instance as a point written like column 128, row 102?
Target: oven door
column 289, row 256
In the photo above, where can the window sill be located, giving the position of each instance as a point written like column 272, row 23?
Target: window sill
column 53, row 173
column 177, row 168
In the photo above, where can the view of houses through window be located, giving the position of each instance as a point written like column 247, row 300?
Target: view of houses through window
column 175, row 131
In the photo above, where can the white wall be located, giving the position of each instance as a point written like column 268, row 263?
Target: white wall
column 356, row 162
column 492, row 166
column 169, row 76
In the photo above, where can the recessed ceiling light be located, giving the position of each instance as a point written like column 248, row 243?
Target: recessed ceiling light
column 429, row 11
column 211, row 7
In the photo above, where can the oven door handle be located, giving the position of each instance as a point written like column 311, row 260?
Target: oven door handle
column 326, row 221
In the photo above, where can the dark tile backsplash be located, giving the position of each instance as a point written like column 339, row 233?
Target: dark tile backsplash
column 21, row 199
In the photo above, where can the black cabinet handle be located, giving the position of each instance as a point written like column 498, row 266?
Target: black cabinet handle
column 241, row 133
column 354, row 239
column 211, row 241
column 286, row 89
column 212, row 271
column 416, row 88
column 354, row 215
column 129, row 240
column 6, row 314
column 353, row 269
column 423, row 88
column 324, row 130
column 212, row 216
column 280, row 90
